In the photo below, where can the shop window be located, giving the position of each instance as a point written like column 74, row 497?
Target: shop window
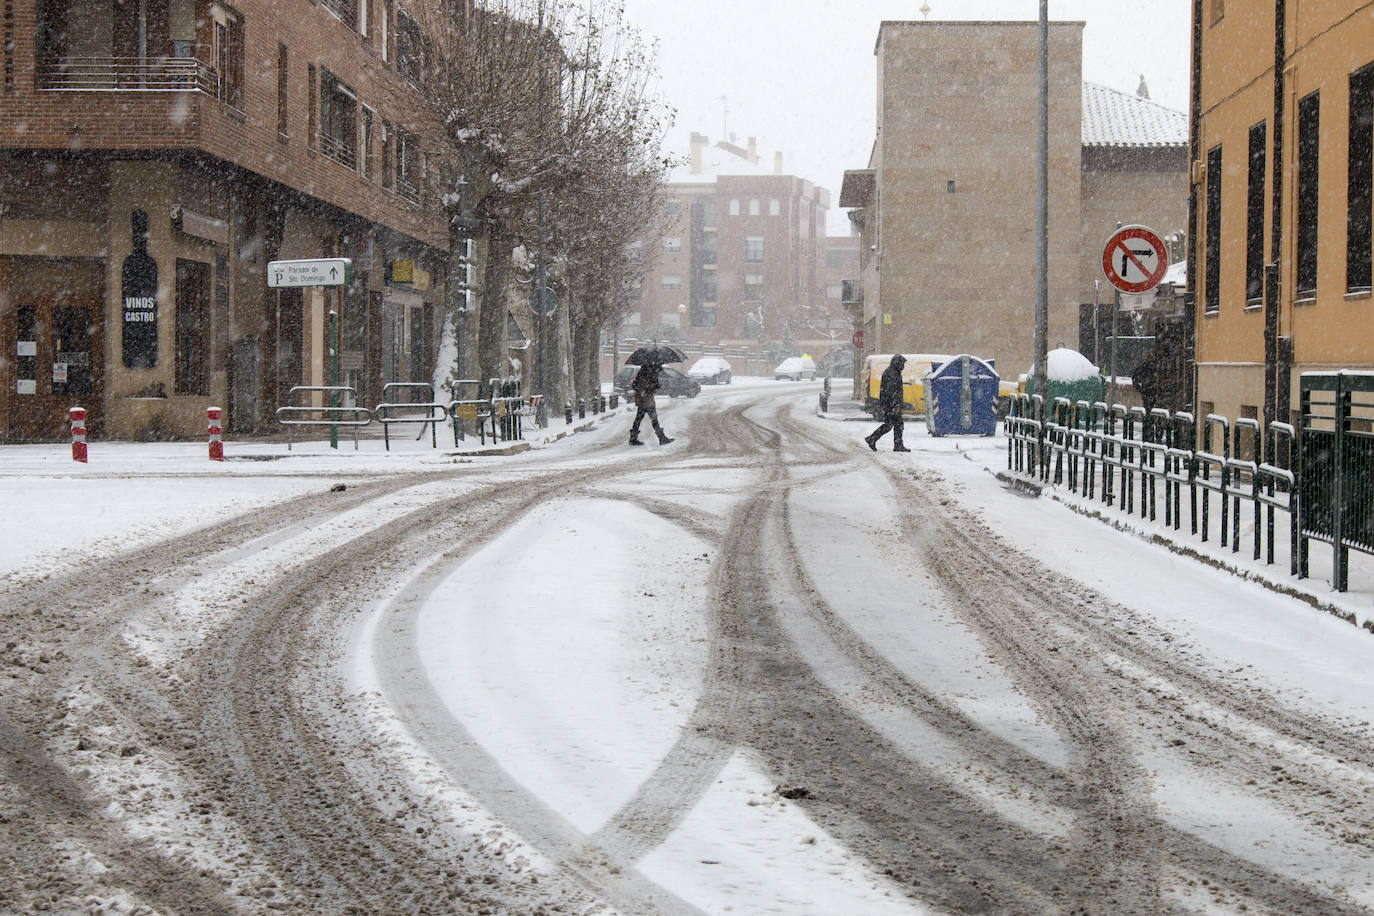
column 192, row 328
column 338, row 120
column 1309, row 110
column 1254, row 216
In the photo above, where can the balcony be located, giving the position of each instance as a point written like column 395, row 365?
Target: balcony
column 97, row 74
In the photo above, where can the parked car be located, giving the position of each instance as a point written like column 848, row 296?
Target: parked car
column 710, row 370
column 670, row 382
column 795, row 368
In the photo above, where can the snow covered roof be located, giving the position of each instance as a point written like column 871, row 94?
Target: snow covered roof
column 1118, row 119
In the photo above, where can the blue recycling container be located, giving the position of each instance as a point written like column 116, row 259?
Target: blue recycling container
column 961, row 398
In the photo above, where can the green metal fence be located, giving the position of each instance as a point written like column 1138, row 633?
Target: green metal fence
column 1335, row 464
column 1143, row 464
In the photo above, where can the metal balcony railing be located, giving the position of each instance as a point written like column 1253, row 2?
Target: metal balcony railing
column 164, row 74
column 339, row 151
column 407, row 190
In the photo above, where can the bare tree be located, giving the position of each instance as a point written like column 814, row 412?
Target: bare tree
column 553, row 136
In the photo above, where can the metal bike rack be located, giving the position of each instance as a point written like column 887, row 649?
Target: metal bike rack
column 434, row 413
column 293, row 415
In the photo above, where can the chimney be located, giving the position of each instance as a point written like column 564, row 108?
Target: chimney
column 777, row 163
column 699, row 142
column 753, row 150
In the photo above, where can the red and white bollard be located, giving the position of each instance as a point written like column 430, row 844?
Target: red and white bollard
column 212, row 416
column 78, row 418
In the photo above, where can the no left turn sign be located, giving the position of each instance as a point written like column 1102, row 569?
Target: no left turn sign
column 1134, row 259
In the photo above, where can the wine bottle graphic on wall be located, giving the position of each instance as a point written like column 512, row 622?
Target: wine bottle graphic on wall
column 139, row 298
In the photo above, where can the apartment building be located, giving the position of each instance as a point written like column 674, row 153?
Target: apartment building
column 739, row 263
column 1282, row 168
column 156, row 156
column 946, row 207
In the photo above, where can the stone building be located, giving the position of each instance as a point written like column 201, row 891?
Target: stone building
column 946, row 207
column 220, row 137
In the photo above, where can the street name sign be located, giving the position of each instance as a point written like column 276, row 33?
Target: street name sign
column 310, row 272
column 1134, row 259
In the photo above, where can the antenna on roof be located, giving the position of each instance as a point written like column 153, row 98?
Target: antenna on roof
column 925, row 10
column 724, row 117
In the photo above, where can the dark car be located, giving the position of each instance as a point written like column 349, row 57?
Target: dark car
column 670, row 382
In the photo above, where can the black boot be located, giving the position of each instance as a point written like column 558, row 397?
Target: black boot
column 872, row 443
column 899, row 447
column 665, row 439
column 634, row 440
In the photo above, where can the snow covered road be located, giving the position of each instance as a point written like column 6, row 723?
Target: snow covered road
column 762, row 670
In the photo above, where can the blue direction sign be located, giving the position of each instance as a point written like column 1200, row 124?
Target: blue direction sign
column 310, row 272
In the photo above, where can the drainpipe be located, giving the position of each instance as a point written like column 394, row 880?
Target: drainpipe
column 1276, row 383
column 1194, row 241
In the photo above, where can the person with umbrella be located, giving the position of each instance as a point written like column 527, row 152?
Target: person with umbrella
column 650, row 359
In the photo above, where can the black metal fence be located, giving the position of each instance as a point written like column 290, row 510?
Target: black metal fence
column 1336, row 466
column 1162, row 464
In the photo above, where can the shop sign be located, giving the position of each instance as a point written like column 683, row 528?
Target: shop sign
column 138, row 296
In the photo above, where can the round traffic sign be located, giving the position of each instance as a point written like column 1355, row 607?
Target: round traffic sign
column 543, row 301
column 858, row 339
column 1134, row 259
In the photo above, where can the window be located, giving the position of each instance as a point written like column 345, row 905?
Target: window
column 408, row 47
column 192, row 328
column 312, row 122
column 384, row 32
column 672, row 207
column 228, row 55
column 1254, row 216
column 734, row 206
column 708, row 286
column 833, row 292
column 1305, row 271
column 672, row 243
column 708, row 247
column 753, row 250
column 407, row 165
column 347, row 10
column 1360, row 178
column 1212, row 245
column 835, row 257
column 282, row 84
column 366, row 142
column 671, row 281
column 388, row 154
column 634, row 289
column 709, row 217
column 774, row 206
column 338, row 120
column 753, row 287
column 753, row 206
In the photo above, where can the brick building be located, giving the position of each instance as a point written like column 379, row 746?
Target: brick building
column 741, row 262
column 227, row 135
column 946, row 206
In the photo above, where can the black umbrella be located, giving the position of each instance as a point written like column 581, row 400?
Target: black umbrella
column 655, row 355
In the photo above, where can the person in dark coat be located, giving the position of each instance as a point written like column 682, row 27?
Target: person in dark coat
column 644, row 386
column 1147, row 379
column 890, row 403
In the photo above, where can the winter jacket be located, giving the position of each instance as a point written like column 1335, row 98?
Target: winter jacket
column 890, row 388
column 646, row 379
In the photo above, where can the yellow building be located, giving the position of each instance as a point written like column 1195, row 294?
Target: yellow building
column 1281, row 191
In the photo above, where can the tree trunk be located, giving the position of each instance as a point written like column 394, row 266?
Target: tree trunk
column 491, row 332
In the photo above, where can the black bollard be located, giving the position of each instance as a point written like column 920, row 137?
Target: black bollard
column 581, row 408
column 567, row 411
column 615, row 400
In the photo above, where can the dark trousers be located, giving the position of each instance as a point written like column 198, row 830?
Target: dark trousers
column 644, row 401
column 892, row 421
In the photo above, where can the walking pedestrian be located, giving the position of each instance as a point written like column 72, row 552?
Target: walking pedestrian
column 890, row 403
column 644, row 386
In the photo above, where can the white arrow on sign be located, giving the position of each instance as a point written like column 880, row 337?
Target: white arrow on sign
column 310, row 272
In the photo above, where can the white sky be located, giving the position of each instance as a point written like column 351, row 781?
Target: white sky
column 799, row 74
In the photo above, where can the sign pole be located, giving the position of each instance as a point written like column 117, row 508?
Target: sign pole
column 1116, row 316
column 333, row 377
